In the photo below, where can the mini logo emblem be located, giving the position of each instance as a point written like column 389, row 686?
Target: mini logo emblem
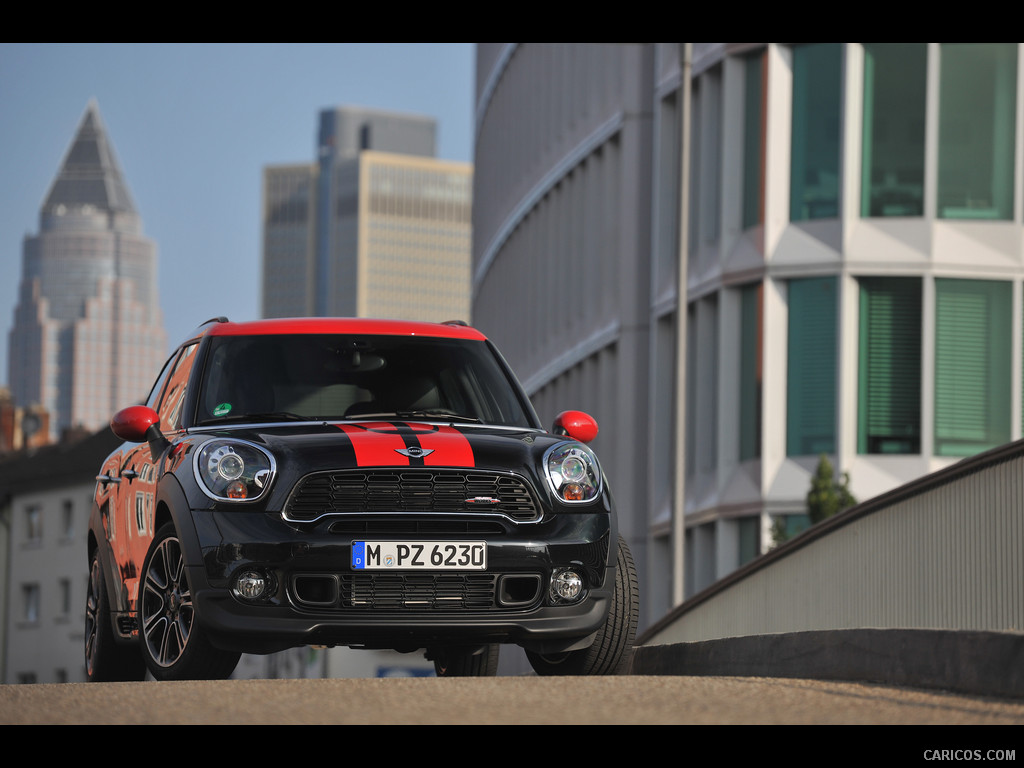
column 414, row 452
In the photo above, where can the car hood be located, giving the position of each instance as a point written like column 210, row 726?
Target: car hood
column 302, row 449
column 410, row 443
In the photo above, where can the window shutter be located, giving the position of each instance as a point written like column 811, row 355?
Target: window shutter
column 972, row 365
column 889, row 407
column 811, row 369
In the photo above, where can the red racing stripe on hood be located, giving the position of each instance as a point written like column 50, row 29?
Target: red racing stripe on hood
column 378, row 444
column 450, row 448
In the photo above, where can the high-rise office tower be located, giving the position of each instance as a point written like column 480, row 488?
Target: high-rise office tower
column 88, row 334
column 377, row 227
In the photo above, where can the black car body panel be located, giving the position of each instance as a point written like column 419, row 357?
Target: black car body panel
column 312, row 487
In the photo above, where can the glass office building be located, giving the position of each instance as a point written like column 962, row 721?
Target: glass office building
column 852, row 253
column 377, row 227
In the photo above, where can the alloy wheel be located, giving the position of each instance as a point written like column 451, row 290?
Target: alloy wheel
column 167, row 612
column 92, row 616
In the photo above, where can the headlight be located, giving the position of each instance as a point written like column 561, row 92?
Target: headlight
column 573, row 472
column 233, row 470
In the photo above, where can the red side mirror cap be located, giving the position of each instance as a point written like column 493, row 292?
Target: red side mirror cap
column 577, row 425
column 132, row 423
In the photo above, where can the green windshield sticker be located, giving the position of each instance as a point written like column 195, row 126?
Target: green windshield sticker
column 222, row 409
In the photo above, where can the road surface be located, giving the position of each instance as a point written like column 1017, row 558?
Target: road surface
column 628, row 700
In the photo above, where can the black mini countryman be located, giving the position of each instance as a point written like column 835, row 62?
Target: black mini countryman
column 362, row 483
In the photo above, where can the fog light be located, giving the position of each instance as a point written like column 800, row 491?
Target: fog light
column 566, row 586
column 251, row 585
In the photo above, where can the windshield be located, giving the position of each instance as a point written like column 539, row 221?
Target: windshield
column 337, row 377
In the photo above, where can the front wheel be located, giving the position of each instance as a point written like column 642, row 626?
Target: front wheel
column 612, row 649
column 173, row 643
column 465, row 662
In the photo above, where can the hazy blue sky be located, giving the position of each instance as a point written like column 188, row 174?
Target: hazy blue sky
column 193, row 126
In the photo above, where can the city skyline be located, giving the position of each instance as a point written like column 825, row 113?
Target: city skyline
column 217, row 115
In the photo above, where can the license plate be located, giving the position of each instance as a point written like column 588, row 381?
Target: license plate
column 419, row 555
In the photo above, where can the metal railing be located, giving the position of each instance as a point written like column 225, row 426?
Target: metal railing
column 943, row 552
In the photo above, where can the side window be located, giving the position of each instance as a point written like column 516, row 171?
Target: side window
column 174, row 395
column 154, row 395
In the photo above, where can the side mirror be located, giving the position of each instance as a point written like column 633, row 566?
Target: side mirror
column 575, row 424
column 133, row 423
column 140, row 424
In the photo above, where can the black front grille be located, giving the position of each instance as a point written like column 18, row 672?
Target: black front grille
column 415, row 590
column 395, row 591
column 419, row 591
column 416, row 526
column 411, row 491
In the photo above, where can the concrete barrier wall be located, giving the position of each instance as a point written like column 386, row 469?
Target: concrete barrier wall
column 977, row 663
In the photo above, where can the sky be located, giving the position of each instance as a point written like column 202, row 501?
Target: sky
column 193, row 126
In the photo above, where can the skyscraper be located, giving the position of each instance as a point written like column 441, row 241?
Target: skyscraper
column 88, row 334
column 377, row 227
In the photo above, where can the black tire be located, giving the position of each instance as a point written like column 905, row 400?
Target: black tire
column 105, row 660
column 612, row 650
column 173, row 644
column 465, row 662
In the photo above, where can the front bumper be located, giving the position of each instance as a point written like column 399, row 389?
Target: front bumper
column 317, row 598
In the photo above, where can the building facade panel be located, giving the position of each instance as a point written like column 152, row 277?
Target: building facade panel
column 560, row 240
column 875, row 222
column 853, row 288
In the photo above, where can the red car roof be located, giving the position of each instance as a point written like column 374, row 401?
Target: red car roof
column 310, row 325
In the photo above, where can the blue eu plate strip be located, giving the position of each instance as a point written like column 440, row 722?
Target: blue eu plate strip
column 359, row 554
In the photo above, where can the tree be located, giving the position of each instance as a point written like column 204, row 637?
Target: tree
column 779, row 533
column 828, row 495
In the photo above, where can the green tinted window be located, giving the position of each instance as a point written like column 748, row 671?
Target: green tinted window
column 889, row 369
column 817, row 91
column 977, row 124
column 750, row 538
column 895, row 85
column 753, row 140
column 750, row 371
column 972, row 365
column 811, row 367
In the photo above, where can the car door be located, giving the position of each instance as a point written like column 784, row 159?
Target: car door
column 136, row 495
column 106, row 498
column 138, row 474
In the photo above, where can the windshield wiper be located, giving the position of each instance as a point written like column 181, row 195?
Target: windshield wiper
column 436, row 414
column 441, row 414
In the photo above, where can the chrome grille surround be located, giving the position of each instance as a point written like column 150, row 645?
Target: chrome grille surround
column 412, row 491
